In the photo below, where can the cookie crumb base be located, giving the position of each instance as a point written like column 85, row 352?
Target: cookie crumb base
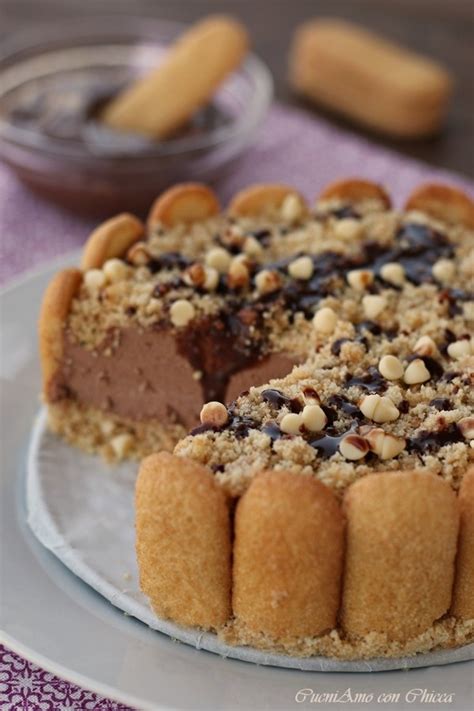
column 446, row 633
column 113, row 438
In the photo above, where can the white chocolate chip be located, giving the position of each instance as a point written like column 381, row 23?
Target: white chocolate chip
column 121, row 445
column 182, row 312
column 378, row 409
column 353, row 447
column 291, row 423
column 211, row 278
column 115, row 270
column 393, row 273
column 325, row 320
column 348, row 228
column 214, row 413
column 291, row 208
column 314, row 418
column 425, row 346
column 238, row 275
column 443, row 270
column 94, row 279
column 416, row 372
column 360, row 279
column 301, row 268
column 218, row 258
column 385, row 446
column 373, row 305
column 390, row 367
column 267, row 281
column 252, row 247
column 466, row 427
column 459, row 349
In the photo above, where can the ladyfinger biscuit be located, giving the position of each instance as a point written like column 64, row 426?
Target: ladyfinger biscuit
column 368, row 78
column 54, row 310
column 287, row 556
column 355, row 190
column 402, row 530
column 183, row 541
column 264, row 199
column 111, row 239
column 463, row 596
column 184, row 203
column 163, row 100
column 443, row 202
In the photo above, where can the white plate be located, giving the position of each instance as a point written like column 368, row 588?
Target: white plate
column 53, row 618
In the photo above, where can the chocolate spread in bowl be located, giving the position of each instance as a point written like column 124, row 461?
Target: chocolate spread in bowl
column 63, row 108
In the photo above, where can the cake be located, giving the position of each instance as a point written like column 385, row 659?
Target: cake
column 327, row 508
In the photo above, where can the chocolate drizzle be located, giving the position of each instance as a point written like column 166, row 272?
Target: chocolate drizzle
column 217, row 347
column 426, row 442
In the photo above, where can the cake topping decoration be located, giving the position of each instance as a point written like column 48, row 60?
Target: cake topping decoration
column 378, row 408
column 391, row 367
column 416, row 372
column 182, row 312
column 353, row 447
column 214, row 413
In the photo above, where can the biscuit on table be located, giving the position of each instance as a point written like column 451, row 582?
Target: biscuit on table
column 288, row 553
column 183, row 541
column 401, row 542
column 463, row 595
column 162, row 101
column 369, row 79
column 184, row 203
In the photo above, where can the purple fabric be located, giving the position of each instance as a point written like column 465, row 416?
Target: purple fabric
column 293, row 147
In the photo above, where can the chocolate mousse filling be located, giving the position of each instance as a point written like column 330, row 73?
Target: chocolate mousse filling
column 154, row 374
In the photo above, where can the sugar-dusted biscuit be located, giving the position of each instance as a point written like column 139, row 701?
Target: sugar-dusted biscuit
column 267, row 199
column 183, row 541
column 54, row 311
column 184, row 203
column 355, row 190
column 163, row 100
column 463, row 595
column 402, row 531
column 287, row 556
column 369, row 79
column 111, row 239
column 443, row 202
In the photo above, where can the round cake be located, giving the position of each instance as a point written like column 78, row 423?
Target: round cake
column 328, row 507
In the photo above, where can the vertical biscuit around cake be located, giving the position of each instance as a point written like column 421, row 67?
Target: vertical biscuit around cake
column 463, row 594
column 183, row 541
column 287, row 556
column 402, row 532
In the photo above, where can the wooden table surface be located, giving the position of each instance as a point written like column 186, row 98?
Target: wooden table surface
column 440, row 28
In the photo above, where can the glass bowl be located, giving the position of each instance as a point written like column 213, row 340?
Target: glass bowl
column 106, row 181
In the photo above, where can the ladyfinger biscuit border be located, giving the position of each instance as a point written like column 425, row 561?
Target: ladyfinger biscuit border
column 276, row 592
column 111, row 239
column 463, row 595
column 54, row 311
column 183, row 541
column 355, row 190
column 163, row 100
column 443, row 202
column 402, row 530
column 183, row 204
column 263, row 198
